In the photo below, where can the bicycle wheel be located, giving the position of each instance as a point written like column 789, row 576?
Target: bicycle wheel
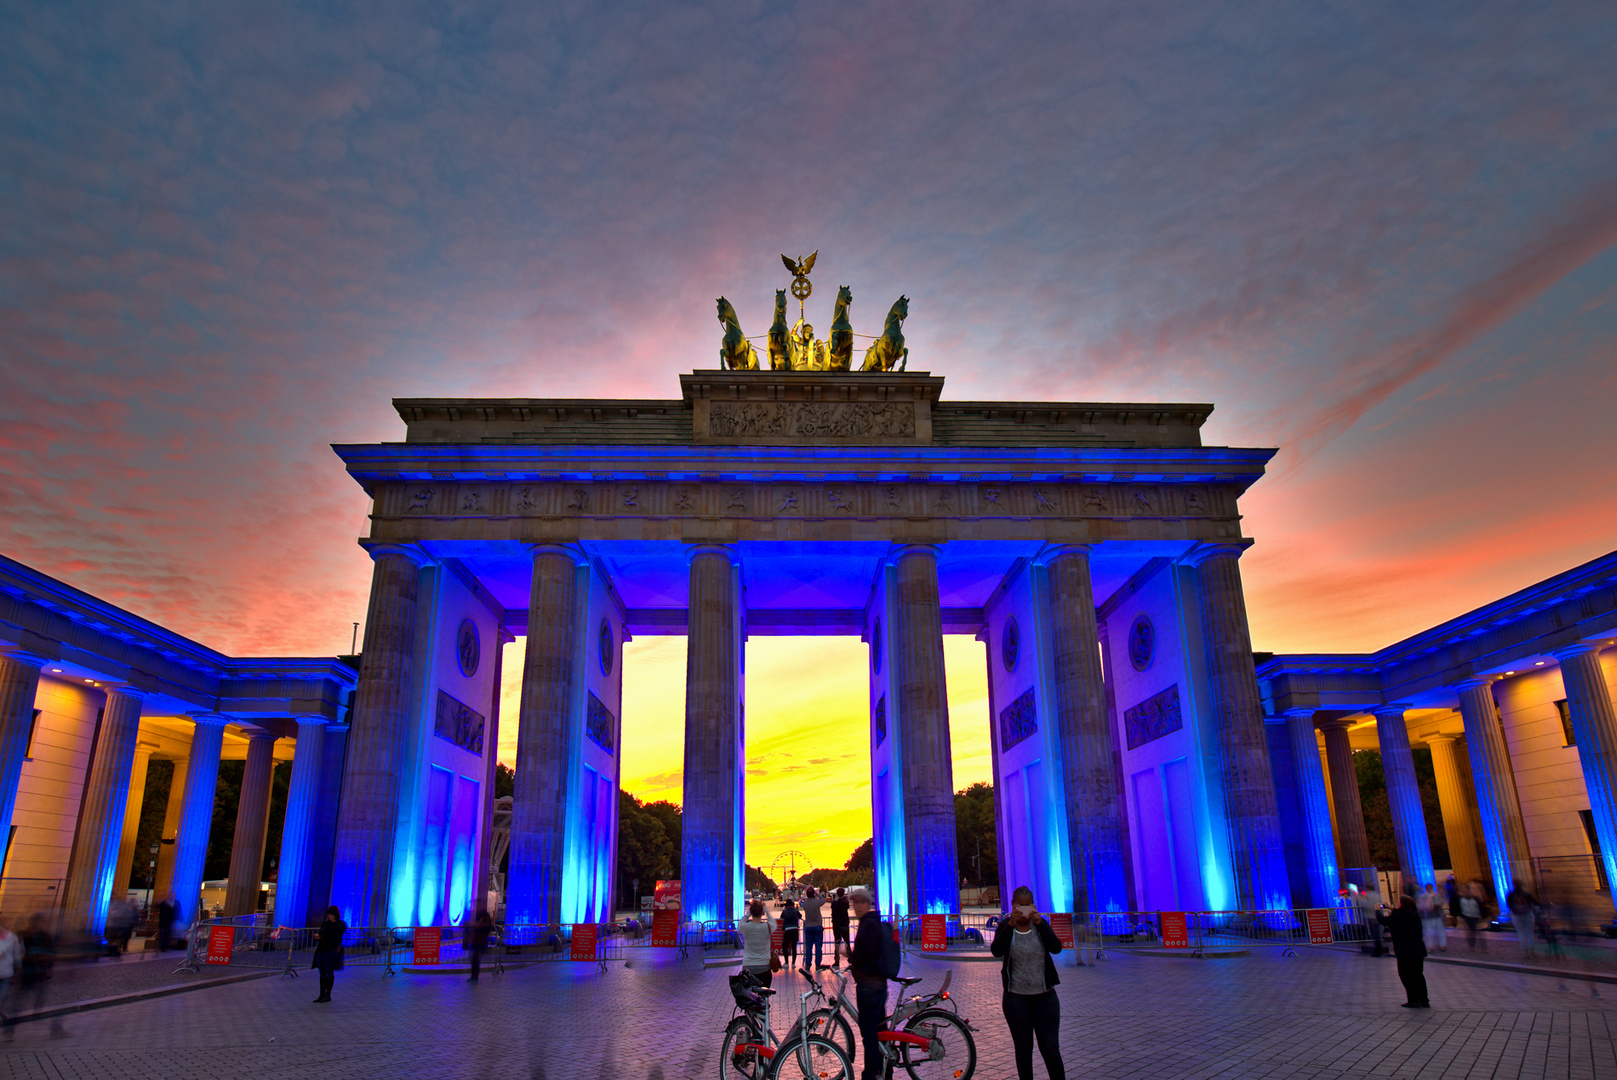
column 952, row 1055
column 831, row 1024
column 815, row 1059
column 739, row 1057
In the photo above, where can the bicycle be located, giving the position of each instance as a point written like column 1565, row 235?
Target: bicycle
column 751, row 1051
column 925, row 1035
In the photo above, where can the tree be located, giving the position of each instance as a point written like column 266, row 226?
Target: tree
column 505, row 781
column 1378, row 809
column 974, row 834
column 863, row 857
column 647, row 852
column 758, row 881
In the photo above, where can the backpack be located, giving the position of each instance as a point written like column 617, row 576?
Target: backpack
column 892, row 953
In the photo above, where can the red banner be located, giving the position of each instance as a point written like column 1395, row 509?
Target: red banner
column 1175, row 932
column 427, row 941
column 777, row 937
column 934, row 933
column 665, row 928
column 584, row 941
column 1319, row 926
column 220, row 941
column 1061, row 923
column 667, row 895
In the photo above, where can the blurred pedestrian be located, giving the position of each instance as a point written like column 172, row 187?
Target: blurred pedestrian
column 813, row 931
column 12, row 951
column 120, row 925
column 870, row 984
column 1025, row 942
column 328, row 951
column 1522, row 905
column 1471, row 912
column 39, row 957
column 1433, row 932
column 790, row 920
column 758, row 956
column 167, row 912
column 839, row 927
column 1404, row 927
column 1451, row 897
column 477, row 935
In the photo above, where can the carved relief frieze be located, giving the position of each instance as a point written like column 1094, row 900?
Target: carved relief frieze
column 811, row 419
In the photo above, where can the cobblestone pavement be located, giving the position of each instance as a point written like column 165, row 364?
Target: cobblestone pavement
column 1323, row 1014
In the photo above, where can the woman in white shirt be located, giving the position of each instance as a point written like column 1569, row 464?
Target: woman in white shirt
column 757, row 955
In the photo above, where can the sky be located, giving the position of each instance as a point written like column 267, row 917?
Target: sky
column 1377, row 236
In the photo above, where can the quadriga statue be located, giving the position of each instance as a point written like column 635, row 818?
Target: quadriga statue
column 735, row 351
column 887, row 353
column 840, row 353
column 780, row 337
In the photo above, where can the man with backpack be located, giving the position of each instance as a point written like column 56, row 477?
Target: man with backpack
column 875, row 959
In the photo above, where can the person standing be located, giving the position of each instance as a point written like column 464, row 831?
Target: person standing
column 39, row 956
column 839, row 927
column 870, row 985
column 328, row 951
column 1025, row 942
column 758, row 957
column 1404, row 927
column 1471, row 912
column 167, row 912
column 790, row 919
column 813, row 931
column 12, row 951
column 1451, row 897
column 1433, row 933
column 477, row 935
column 1522, row 905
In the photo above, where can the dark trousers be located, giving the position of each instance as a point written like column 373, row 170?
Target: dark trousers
column 788, row 945
column 813, row 944
column 326, row 983
column 477, row 962
column 1412, row 973
column 872, row 1002
column 1035, row 1015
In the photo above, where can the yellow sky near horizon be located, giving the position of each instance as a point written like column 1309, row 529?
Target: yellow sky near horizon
column 808, row 773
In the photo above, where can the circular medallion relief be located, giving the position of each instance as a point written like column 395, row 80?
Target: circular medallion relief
column 875, row 648
column 1142, row 643
column 1010, row 643
column 468, row 649
column 606, row 646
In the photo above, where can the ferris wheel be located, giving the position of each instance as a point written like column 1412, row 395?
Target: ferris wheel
column 789, row 866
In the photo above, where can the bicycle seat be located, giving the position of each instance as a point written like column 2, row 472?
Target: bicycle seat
column 900, row 980
column 763, row 991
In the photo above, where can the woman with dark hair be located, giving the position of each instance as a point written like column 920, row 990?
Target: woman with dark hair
column 1025, row 942
column 758, row 958
column 328, row 951
column 790, row 918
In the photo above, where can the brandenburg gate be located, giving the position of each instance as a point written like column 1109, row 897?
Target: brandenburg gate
column 1093, row 548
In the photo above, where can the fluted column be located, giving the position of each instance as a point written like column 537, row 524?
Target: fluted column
column 1085, row 737
column 1594, row 727
column 302, row 800
column 712, row 844
column 1319, row 843
column 132, row 809
column 252, row 826
column 1353, row 846
column 923, row 718
column 1403, row 798
column 19, row 685
column 1251, row 809
column 1501, row 810
column 164, row 881
column 101, row 814
column 196, row 812
column 362, row 860
column 547, row 734
column 1459, row 827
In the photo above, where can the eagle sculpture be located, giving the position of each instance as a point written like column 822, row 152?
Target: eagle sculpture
column 801, row 267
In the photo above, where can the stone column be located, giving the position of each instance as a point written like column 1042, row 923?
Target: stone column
column 1403, row 798
column 491, row 750
column 302, row 801
column 101, row 814
column 1250, row 807
column 711, row 846
column 923, row 719
column 1319, row 843
column 171, row 829
column 196, row 813
column 1459, row 828
column 1501, row 810
column 1084, row 736
column 252, row 826
column 19, row 685
column 547, row 731
column 1353, row 846
column 362, row 860
column 132, row 809
column 1594, row 727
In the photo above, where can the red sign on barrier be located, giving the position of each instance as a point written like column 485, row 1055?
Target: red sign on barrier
column 427, row 941
column 1319, row 926
column 1175, row 931
column 777, row 938
column 665, row 928
column 1061, row 923
column 584, row 941
column 934, row 933
column 220, row 941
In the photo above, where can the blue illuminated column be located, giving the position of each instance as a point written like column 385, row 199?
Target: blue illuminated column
column 368, row 812
column 1258, row 853
column 1403, row 798
column 1319, row 846
column 19, row 685
column 711, row 856
column 923, row 720
column 302, row 800
column 196, row 813
column 548, row 730
column 1084, row 736
column 1497, row 802
column 1594, row 728
column 252, row 826
column 101, row 814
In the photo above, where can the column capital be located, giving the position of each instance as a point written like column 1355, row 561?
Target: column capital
column 1335, row 723
column 1580, row 648
column 1300, row 712
column 1060, row 551
column 570, row 551
column 1476, row 682
column 696, row 551
column 211, row 719
column 402, row 551
column 904, row 551
column 257, row 734
column 18, row 654
column 1441, row 739
column 312, row 719
column 136, row 692
column 1389, row 710
column 1205, row 552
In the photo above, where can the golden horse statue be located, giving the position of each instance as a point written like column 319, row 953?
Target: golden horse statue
column 780, row 337
column 887, row 353
column 735, row 351
column 839, row 356
column 808, row 353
